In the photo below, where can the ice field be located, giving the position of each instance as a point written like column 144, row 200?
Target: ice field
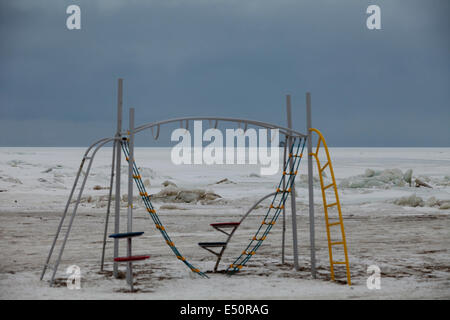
column 403, row 229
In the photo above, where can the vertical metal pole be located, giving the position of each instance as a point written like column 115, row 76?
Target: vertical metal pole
column 293, row 205
column 118, row 164
column 108, row 210
column 283, row 236
column 130, row 196
column 310, row 187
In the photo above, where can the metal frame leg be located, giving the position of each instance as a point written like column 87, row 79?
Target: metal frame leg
column 310, row 188
column 108, row 210
column 293, row 204
column 130, row 198
column 118, row 165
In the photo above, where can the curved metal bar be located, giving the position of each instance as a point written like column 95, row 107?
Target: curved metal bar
column 97, row 142
column 219, row 256
column 254, row 206
column 283, row 130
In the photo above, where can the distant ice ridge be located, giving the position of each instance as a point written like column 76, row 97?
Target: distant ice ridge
column 172, row 193
column 416, row 201
column 378, row 179
column 388, row 178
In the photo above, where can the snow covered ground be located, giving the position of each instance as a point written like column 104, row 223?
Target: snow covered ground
column 401, row 228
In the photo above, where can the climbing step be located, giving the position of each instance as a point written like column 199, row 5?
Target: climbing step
column 212, row 244
column 225, row 224
column 126, row 235
column 131, row 258
column 334, row 224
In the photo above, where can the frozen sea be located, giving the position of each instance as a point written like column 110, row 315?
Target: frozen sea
column 403, row 229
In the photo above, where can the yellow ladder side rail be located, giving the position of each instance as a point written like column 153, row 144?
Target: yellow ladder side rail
column 325, row 209
column 341, row 221
column 318, row 146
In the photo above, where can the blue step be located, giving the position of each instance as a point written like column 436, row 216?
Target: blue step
column 126, row 235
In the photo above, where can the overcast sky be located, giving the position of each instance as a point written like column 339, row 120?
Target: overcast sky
column 232, row 58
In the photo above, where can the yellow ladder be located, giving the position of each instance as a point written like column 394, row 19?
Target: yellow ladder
column 321, row 169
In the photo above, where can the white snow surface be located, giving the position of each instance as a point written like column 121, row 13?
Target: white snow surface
column 403, row 229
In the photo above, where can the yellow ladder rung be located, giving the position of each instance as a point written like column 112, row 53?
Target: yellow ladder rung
column 137, row 176
column 181, row 258
column 234, row 266
column 151, row 210
column 260, row 239
column 328, row 186
column 336, row 243
column 331, row 205
column 170, row 243
column 326, row 165
column 277, row 207
column 295, row 155
column 334, row 224
column 281, row 190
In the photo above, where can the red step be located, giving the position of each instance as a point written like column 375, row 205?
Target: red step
column 131, row 258
column 225, row 224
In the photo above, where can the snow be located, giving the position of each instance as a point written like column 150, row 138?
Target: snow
column 401, row 228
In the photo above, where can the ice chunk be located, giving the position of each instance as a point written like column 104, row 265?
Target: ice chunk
column 174, row 194
column 369, row 173
column 372, row 178
column 168, row 183
column 411, row 201
column 415, row 201
column 407, row 176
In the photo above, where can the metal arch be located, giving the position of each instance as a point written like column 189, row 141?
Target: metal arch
column 283, row 130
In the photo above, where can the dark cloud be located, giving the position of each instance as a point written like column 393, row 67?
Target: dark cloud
column 227, row 58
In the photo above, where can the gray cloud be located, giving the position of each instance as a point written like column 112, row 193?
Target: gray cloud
column 228, row 58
